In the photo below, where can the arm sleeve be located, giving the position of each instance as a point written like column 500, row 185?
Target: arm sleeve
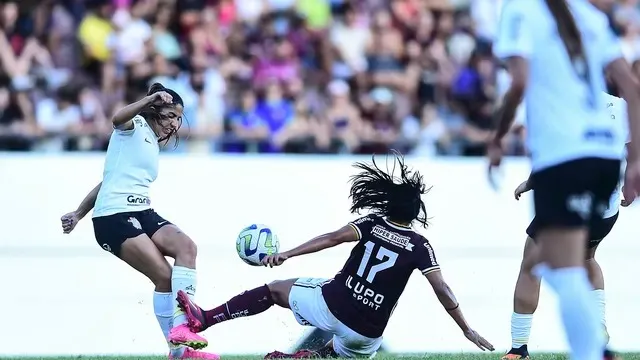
column 426, row 258
column 515, row 34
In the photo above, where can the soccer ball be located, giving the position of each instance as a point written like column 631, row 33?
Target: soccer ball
column 255, row 242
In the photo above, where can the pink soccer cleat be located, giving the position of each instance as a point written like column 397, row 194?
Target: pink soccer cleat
column 193, row 354
column 195, row 314
column 182, row 335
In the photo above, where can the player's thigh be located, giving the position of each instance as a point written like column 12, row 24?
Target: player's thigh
column 308, row 305
column 348, row 343
column 143, row 255
column 168, row 237
column 280, row 290
column 123, row 235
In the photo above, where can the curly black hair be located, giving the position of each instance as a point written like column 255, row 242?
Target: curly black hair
column 398, row 198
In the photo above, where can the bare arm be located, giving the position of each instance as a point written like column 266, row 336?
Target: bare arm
column 447, row 299
column 629, row 87
column 123, row 118
column 346, row 234
column 88, row 202
column 518, row 69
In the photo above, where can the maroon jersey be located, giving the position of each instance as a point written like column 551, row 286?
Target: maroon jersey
column 365, row 292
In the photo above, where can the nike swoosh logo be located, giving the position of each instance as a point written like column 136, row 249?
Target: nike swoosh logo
column 147, row 140
column 162, row 222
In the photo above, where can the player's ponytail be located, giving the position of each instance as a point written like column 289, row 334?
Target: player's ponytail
column 570, row 35
column 399, row 198
column 154, row 88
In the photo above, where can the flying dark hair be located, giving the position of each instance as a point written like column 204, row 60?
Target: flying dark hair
column 570, row 36
column 152, row 113
column 398, row 198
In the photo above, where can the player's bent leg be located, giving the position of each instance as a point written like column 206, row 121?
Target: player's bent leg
column 248, row 303
column 173, row 242
column 525, row 303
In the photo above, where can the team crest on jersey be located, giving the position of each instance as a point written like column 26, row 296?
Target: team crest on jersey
column 392, row 237
column 135, row 223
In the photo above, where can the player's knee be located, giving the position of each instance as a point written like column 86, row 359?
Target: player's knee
column 187, row 249
column 280, row 292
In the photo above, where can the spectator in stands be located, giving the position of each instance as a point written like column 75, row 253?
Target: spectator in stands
column 262, row 75
column 473, row 92
column 250, row 131
column 350, row 39
column 275, row 111
column 96, row 34
column 17, row 128
column 382, row 125
column 60, row 118
column 343, row 118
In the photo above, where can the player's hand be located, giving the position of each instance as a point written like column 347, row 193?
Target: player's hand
column 480, row 342
column 494, row 153
column 274, row 260
column 162, row 98
column 631, row 187
column 69, row 222
column 521, row 189
column 625, row 202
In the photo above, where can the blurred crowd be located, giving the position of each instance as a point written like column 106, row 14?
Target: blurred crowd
column 295, row 76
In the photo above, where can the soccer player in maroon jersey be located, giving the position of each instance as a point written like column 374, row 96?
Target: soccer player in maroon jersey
column 357, row 303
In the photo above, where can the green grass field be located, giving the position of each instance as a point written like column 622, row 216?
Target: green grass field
column 492, row 356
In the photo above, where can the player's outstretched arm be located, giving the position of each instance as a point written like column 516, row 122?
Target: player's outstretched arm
column 345, row 234
column 70, row 220
column 450, row 303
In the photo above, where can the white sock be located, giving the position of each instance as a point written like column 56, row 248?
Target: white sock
column 578, row 310
column 520, row 329
column 163, row 308
column 598, row 294
column 184, row 279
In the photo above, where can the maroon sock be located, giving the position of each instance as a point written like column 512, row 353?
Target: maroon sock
column 248, row 303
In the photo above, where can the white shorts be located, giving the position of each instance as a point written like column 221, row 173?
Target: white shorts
column 310, row 309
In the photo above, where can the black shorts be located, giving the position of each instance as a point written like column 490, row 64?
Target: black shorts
column 575, row 193
column 598, row 231
column 112, row 230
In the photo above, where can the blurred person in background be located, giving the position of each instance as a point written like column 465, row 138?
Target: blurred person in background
column 428, row 133
column 60, row 118
column 249, row 132
column 343, row 118
column 381, row 130
column 275, row 111
column 350, row 40
column 473, row 93
column 97, row 37
column 17, row 127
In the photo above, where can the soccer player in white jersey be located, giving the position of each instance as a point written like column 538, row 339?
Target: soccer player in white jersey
column 556, row 52
column 527, row 291
column 126, row 225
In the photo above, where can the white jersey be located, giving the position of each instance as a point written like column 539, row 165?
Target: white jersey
column 618, row 113
column 566, row 117
column 131, row 165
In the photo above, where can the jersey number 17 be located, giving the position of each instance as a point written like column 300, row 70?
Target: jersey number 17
column 387, row 257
